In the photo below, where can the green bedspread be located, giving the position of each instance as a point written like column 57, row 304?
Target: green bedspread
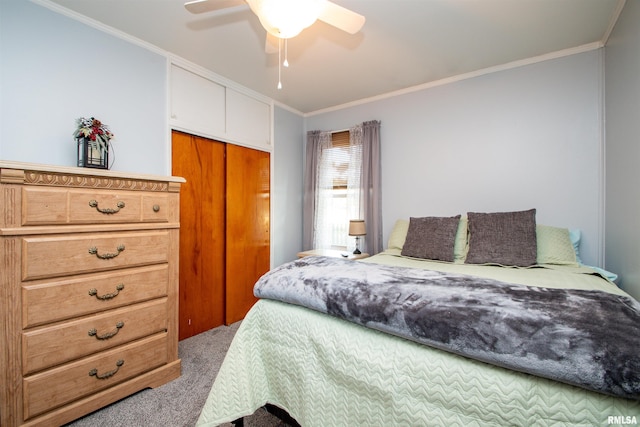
column 328, row 372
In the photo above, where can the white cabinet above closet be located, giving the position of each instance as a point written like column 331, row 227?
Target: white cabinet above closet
column 197, row 102
column 248, row 119
column 206, row 107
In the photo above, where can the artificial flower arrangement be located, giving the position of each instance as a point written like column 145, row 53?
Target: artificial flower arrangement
column 93, row 130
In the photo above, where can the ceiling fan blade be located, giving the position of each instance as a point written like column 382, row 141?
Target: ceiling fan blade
column 342, row 18
column 271, row 43
column 202, row 6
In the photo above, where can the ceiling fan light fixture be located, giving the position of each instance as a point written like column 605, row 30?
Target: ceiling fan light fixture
column 286, row 18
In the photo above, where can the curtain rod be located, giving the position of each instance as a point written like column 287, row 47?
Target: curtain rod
column 340, row 130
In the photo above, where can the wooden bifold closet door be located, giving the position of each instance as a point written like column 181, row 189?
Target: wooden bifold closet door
column 202, row 232
column 248, row 248
column 224, row 231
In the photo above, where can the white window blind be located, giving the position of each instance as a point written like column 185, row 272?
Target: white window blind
column 338, row 192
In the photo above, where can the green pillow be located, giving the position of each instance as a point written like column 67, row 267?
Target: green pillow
column 398, row 234
column 461, row 246
column 555, row 246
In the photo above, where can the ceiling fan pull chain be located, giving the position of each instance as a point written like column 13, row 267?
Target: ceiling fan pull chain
column 286, row 43
column 279, row 62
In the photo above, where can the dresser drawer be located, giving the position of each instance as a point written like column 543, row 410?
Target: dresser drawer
column 54, row 345
column 155, row 207
column 58, row 386
column 82, row 253
column 56, row 300
column 70, row 206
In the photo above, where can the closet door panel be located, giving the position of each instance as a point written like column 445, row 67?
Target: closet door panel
column 247, row 227
column 202, row 240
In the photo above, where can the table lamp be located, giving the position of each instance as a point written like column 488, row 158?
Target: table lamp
column 357, row 229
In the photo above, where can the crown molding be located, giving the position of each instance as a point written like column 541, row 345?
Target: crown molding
column 508, row 66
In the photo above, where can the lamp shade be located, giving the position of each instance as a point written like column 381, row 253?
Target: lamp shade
column 286, row 18
column 357, row 228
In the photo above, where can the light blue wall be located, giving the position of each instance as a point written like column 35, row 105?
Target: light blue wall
column 56, row 69
column 286, row 193
column 528, row 137
column 521, row 138
column 622, row 94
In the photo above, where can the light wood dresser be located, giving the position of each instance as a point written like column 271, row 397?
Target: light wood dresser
column 88, row 291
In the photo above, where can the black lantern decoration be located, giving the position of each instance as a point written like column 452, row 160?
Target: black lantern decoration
column 93, row 138
column 92, row 154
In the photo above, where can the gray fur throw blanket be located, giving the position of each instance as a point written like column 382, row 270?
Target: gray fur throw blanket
column 590, row 339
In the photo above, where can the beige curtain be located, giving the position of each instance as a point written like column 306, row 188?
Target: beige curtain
column 316, row 140
column 368, row 134
column 363, row 185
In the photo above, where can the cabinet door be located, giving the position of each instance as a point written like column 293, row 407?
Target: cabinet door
column 202, row 200
column 197, row 103
column 243, row 110
column 248, row 219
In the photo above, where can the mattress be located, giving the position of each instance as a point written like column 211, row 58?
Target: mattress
column 327, row 371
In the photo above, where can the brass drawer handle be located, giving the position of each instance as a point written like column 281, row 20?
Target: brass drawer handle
column 94, row 333
column 107, row 211
column 94, row 293
column 94, row 251
column 156, row 208
column 94, row 371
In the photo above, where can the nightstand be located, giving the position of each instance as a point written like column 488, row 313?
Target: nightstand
column 332, row 253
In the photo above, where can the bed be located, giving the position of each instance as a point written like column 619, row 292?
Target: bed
column 328, row 358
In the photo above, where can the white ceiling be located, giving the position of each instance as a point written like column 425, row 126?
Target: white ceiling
column 404, row 43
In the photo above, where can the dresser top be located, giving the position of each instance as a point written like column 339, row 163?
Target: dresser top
column 103, row 173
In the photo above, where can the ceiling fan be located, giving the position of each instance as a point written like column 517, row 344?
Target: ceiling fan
column 285, row 19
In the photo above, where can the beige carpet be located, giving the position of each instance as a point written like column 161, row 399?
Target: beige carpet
column 178, row 403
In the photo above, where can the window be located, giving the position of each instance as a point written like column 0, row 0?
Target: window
column 342, row 182
column 338, row 191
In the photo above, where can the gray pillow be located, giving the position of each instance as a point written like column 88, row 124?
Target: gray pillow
column 505, row 238
column 431, row 238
